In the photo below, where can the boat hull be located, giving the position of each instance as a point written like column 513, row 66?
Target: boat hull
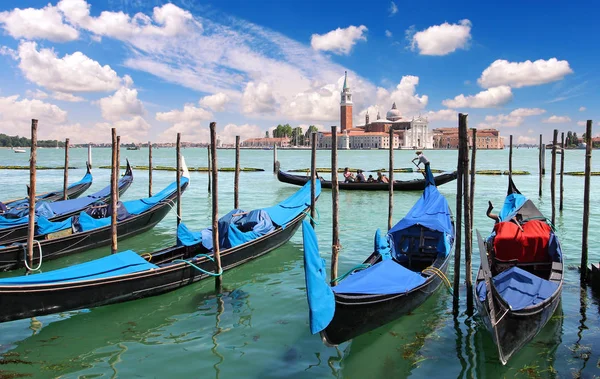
column 17, row 302
column 399, row 185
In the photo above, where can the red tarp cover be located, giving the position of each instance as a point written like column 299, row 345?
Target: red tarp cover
column 529, row 245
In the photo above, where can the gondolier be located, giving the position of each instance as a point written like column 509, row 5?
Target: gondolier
column 421, row 158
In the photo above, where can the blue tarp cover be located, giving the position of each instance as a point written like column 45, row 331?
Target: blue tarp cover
column 512, row 204
column 291, row 207
column 87, row 222
column 139, row 206
column 126, row 262
column 185, row 237
column 43, row 226
column 384, row 278
column 382, row 245
column 321, row 301
column 519, row 288
column 430, row 211
column 12, row 222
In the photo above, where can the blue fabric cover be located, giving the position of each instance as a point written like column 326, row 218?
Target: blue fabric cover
column 87, row 178
column 519, row 288
column 321, row 301
column 384, row 278
column 126, row 262
column 382, row 245
column 87, row 222
column 291, row 207
column 430, row 211
column 238, row 227
column 512, row 204
column 139, row 206
column 12, row 222
column 554, row 249
column 185, row 237
column 43, row 226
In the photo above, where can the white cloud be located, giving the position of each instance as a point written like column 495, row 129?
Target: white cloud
column 133, row 130
column 37, row 94
column 124, row 102
column 581, row 123
column 215, row 102
column 442, row 115
column 404, row 95
column 72, row 73
column 67, row 97
column 513, row 119
column 186, row 121
column 339, row 41
column 46, row 23
column 16, row 115
column 490, row 98
column 388, row 34
column 582, row 109
column 521, row 74
column 258, row 98
column 441, row 39
column 393, row 8
column 5, row 50
column 526, row 140
column 244, row 131
column 169, row 20
column 557, row 119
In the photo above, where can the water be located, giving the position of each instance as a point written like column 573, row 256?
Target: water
column 259, row 328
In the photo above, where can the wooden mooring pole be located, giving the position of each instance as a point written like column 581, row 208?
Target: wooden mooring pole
column 473, row 169
column 586, row 201
column 118, row 166
column 114, row 193
column 313, row 177
column 209, row 165
column 462, row 120
column 540, row 165
column 149, row 169
column 467, row 215
column 215, row 202
column 178, row 153
column 335, row 189
column 236, row 178
column 553, row 178
column 391, row 188
column 510, row 153
column 562, row 170
column 66, row 172
column 32, row 183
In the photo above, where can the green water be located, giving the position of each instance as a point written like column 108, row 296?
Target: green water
column 259, row 327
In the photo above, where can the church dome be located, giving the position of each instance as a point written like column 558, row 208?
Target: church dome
column 393, row 114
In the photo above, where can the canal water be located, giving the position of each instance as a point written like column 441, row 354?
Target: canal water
column 259, row 327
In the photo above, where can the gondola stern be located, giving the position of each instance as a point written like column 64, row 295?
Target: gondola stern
column 184, row 169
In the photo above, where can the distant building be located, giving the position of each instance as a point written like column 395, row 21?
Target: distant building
column 266, row 142
column 447, row 138
column 408, row 134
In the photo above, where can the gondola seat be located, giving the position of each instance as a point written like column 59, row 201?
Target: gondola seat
column 384, row 278
column 418, row 244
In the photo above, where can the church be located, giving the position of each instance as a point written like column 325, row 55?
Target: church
column 408, row 134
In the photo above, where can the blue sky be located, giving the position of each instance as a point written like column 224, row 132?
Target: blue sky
column 153, row 68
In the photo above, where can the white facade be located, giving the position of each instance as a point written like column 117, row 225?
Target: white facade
column 358, row 141
column 418, row 135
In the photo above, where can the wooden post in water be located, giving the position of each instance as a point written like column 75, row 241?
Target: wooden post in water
column 510, row 157
column 313, row 177
column 118, row 174
column 562, row 170
column 275, row 158
column 209, row 165
column 553, row 178
column 467, row 215
column 335, row 189
column 149, row 169
column 32, row 182
column 114, row 192
column 472, row 187
column 462, row 120
column 215, row 202
column 586, row 201
column 391, row 188
column 541, row 170
column 66, row 172
column 236, row 179
column 90, row 155
column 178, row 153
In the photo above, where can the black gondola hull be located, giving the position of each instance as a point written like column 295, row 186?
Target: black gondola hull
column 17, row 302
column 399, row 185
column 359, row 314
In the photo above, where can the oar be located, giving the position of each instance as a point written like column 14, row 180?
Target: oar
column 487, row 276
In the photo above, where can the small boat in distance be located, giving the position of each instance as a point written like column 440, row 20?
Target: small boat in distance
column 520, row 278
column 19, row 150
column 134, row 147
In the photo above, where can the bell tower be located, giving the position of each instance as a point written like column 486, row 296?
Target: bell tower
column 346, row 105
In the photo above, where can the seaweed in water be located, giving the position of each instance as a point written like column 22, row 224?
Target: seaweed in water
column 13, row 375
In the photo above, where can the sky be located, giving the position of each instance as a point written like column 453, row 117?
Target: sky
column 154, row 68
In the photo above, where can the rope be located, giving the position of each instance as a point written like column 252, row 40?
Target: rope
column 355, row 268
column 198, row 268
column 25, row 257
column 307, row 213
column 441, row 275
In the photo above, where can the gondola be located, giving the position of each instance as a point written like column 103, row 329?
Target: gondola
column 14, row 223
column 399, row 185
column 91, row 228
column 407, row 267
column 125, row 276
column 73, row 191
column 520, row 278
